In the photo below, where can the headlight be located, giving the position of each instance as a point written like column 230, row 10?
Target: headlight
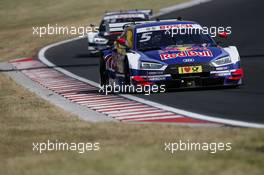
column 150, row 65
column 222, row 61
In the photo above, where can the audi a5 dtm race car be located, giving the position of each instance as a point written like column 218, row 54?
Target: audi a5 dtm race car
column 108, row 31
column 149, row 54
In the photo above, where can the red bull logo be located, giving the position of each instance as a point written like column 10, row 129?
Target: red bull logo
column 189, row 53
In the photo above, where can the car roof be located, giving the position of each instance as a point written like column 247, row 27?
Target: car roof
column 125, row 13
column 158, row 23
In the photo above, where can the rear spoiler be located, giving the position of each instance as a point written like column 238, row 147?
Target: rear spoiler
column 148, row 12
column 119, row 27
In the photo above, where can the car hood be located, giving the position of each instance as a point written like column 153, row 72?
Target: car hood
column 180, row 54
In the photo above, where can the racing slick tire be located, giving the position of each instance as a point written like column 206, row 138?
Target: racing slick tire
column 104, row 78
column 127, row 80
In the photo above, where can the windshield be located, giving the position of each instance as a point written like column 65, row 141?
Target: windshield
column 160, row 39
column 102, row 27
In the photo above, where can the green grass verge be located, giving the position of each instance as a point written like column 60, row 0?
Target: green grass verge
column 124, row 148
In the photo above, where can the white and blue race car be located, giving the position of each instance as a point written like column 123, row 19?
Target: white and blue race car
column 149, row 54
column 108, row 31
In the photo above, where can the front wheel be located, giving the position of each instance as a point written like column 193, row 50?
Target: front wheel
column 127, row 80
column 104, row 79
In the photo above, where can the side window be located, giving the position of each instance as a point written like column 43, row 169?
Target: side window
column 129, row 38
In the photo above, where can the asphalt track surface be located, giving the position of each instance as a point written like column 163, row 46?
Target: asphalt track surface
column 244, row 104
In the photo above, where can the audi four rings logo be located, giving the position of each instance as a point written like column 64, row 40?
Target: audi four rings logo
column 187, row 60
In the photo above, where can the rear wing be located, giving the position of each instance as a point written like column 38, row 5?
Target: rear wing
column 148, row 12
column 119, row 27
column 114, row 30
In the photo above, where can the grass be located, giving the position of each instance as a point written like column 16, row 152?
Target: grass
column 125, row 148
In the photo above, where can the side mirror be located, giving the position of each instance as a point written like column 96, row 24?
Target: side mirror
column 223, row 35
column 121, row 41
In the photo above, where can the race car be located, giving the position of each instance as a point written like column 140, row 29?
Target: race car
column 153, row 53
column 108, row 32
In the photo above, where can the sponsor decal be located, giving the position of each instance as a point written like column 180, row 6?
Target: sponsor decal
column 156, row 78
column 111, row 64
column 222, row 68
column 169, row 27
column 223, row 74
column 167, row 49
column 155, row 73
column 190, row 69
column 191, row 53
column 176, row 26
column 188, row 60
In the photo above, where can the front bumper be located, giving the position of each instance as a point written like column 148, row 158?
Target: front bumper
column 205, row 79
